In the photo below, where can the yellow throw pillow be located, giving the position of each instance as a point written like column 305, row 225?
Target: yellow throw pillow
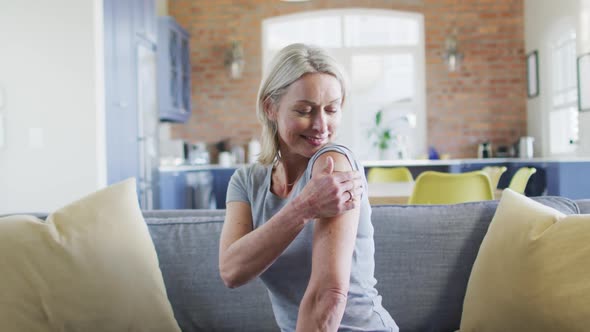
column 91, row 266
column 532, row 272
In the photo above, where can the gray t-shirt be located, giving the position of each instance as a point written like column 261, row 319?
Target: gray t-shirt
column 287, row 278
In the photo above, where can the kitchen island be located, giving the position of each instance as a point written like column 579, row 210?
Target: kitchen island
column 566, row 177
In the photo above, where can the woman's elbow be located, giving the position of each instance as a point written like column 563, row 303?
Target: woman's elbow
column 333, row 296
column 228, row 276
column 330, row 300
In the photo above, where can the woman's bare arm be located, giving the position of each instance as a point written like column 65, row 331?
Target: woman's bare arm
column 245, row 253
column 325, row 298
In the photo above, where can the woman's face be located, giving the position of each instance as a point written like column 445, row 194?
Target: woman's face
column 308, row 114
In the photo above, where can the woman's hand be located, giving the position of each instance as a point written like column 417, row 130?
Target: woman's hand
column 330, row 192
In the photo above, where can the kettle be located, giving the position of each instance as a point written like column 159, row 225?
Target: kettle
column 525, row 147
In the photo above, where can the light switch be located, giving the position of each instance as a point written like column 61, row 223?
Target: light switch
column 36, row 138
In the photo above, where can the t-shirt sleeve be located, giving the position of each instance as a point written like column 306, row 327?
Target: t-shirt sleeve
column 237, row 190
column 336, row 148
column 356, row 165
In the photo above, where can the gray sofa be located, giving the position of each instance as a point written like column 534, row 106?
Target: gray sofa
column 423, row 257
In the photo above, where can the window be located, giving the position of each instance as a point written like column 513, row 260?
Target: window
column 563, row 114
column 382, row 52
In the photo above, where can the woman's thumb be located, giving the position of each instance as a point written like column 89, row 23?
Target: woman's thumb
column 329, row 165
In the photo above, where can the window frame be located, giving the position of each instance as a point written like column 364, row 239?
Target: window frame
column 563, row 39
column 345, row 53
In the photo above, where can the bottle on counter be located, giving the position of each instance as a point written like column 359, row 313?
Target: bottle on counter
column 253, row 150
column 238, row 156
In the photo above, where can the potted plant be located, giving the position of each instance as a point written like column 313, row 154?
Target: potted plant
column 381, row 135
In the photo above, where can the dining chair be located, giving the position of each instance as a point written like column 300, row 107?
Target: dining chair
column 433, row 187
column 495, row 173
column 521, row 178
column 389, row 174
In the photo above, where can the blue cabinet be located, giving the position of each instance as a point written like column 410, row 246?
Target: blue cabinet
column 174, row 71
column 144, row 19
column 130, row 84
column 121, row 105
column 173, row 191
column 190, row 189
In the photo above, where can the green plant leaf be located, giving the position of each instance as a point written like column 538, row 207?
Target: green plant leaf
column 378, row 118
column 386, row 135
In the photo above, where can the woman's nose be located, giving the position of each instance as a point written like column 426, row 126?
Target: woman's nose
column 320, row 122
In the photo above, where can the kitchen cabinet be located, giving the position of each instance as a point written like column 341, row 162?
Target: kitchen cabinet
column 191, row 189
column 173, row 191
column 144, row 19
column 131, row 116
column 174, row 71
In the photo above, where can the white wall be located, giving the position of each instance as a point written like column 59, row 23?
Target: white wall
column 541, row 16
column 51, row 70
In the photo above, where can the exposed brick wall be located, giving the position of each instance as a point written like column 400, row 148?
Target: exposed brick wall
column 485, row 100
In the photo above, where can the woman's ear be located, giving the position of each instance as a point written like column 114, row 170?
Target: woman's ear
column 270, row 110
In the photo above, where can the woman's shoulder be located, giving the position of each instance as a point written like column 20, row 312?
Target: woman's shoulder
column 255, row 172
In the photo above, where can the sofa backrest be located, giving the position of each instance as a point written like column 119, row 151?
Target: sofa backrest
column 187, row 242
column 584, row 205
column 424, row 255
column 423, row 260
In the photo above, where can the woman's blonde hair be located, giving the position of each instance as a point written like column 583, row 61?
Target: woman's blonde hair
column 288, row 66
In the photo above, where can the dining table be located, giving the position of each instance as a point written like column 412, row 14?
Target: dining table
column 385, row 193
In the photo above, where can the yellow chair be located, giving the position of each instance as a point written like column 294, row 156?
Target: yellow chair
column 389, row 174
column 451, row 188
column 521, row 178
column 495, row 173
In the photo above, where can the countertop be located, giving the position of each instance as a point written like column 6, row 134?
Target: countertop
column 444, row 162
column 392, row 163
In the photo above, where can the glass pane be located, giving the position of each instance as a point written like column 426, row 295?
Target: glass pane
column 384, row 82
column 185, row 54
column 384, row 79
column 174, row 87
column 563, row 126
column 323, row 31
column 377, row 30
column 558, row 99
column 173, row 48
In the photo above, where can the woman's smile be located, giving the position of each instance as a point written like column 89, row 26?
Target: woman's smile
column 316, row 140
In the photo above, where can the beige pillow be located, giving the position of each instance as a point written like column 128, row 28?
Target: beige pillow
column 532, row 272
column 91, row 266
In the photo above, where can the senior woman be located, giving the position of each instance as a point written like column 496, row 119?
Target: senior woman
column 300, row 218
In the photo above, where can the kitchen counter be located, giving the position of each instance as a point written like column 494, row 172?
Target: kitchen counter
column 189, row 168
column 555, row 176
column 404, row 162
column 447, row 162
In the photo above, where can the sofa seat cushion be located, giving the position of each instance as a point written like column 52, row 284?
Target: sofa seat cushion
column 531, row 272
column 90, row 266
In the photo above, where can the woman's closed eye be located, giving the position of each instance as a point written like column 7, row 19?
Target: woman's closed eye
column 304, row 110
column 332, row 109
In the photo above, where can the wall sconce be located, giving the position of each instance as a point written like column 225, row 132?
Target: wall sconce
column 452, row 56
column 234, row 60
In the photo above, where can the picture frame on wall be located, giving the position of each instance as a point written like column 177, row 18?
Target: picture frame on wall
column 584, row 82
column 532, row 73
